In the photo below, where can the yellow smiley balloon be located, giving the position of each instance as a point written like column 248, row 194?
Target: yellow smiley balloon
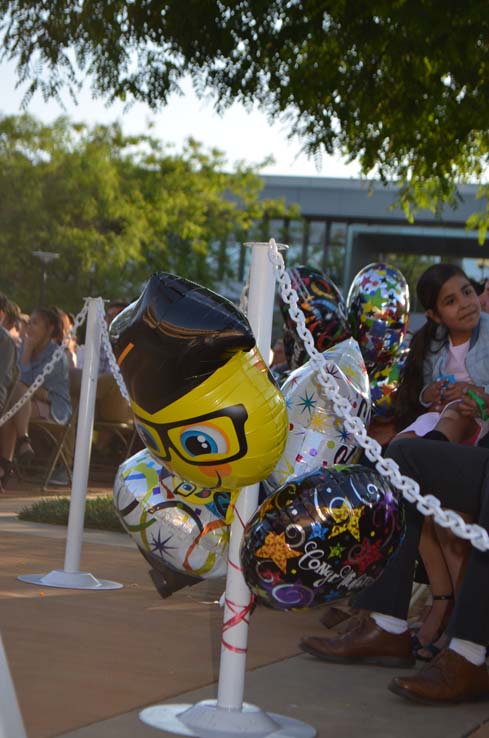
column 204, row 401
column 227, row 432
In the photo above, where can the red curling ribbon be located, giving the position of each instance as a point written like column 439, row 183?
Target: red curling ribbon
column 240, row 614
column 235, row 566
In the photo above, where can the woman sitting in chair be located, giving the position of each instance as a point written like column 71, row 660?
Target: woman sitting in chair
column 51, row 401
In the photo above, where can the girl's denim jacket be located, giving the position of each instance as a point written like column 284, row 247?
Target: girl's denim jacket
column 476, row 361
column 57, row 382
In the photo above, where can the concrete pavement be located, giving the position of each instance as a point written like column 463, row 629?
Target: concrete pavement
column 84, row 663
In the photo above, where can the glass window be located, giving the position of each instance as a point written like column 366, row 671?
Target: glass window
column 315, row 245
column 294, row 242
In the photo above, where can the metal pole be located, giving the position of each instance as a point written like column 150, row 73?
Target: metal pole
column 237, row 597
column 84, row 430
column 11, row 725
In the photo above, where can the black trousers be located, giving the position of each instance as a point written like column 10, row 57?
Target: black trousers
column 459, row 476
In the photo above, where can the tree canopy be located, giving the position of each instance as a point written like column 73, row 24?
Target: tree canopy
column 116, row 208
column 402, row 86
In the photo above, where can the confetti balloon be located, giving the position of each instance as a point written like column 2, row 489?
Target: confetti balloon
column 378, row 309
column 384, row 381
column 324, row 310
column 172, row 520
column 317, row 437
column 321, row 537
column 205, row 404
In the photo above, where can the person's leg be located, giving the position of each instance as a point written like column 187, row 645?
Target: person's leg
column 459, row 672
column 15, row 428
column 21, row 417
column 440, row 582
column 456, row 474
column 470, row 619
column 454, row 426
column 455, row 551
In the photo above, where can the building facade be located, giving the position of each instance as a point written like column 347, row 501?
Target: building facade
column 347, row 223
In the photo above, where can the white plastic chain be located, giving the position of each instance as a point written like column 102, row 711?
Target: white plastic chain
column 114, row 367
column 426, row 504
column 39, row 380
column 243, row 299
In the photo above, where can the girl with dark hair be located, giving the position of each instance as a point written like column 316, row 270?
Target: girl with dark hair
column 448, row 357
column 50, row 401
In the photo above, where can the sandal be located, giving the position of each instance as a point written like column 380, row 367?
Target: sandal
column 431, row 648
column 24, row 453
column 6, row 467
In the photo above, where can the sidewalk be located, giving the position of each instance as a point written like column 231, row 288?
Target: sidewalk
column 84, row 663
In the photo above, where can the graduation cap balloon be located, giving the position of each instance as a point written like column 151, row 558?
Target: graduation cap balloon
column 204, row 401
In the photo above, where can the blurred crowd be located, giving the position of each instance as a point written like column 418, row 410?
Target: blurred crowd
column 27, row 344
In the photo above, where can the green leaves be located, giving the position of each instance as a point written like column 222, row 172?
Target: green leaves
column 402, row 86
column 116, row 209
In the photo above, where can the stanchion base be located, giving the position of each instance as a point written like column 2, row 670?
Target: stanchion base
column 69, row 580
column 206, row 720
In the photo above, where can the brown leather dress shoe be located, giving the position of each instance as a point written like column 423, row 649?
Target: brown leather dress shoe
column 447, row 679
column 365, row 643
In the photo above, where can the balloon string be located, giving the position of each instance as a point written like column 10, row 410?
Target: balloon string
column 214, row 525
column 240, row 615
column 236, row 513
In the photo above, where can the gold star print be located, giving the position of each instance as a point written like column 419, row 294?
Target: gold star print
column 346, row 519
column 284, row 473
column 276, row 549
column 317, row 421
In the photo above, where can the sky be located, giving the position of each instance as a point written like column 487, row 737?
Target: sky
column 239, row 134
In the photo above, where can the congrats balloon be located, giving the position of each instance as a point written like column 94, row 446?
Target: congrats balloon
column 324, row 310
column 204, row 401
column 172, row 520
column 378, row 309
column 321, row 537
column 317, row 438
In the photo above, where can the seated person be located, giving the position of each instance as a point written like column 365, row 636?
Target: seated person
column 448, row 355
column 447, row 359
column 110, row 406
column 459, row 476
column 50, row 401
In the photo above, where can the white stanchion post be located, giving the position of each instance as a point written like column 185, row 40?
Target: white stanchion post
column 261, row 297
column 71, row 577
column 229, row 716
column 11, row 724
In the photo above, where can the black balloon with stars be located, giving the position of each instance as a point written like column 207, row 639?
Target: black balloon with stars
column 321, row 537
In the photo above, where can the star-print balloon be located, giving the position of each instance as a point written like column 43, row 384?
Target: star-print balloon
column 321, row 537
column 378, row 311
column 189, row 534
column 317, row 438
column 324, row 311
column 384, row 381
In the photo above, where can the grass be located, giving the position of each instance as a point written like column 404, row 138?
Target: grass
column 99, row 513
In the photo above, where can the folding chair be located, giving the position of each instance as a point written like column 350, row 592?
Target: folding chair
column 57, row 435
column 125, row 432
